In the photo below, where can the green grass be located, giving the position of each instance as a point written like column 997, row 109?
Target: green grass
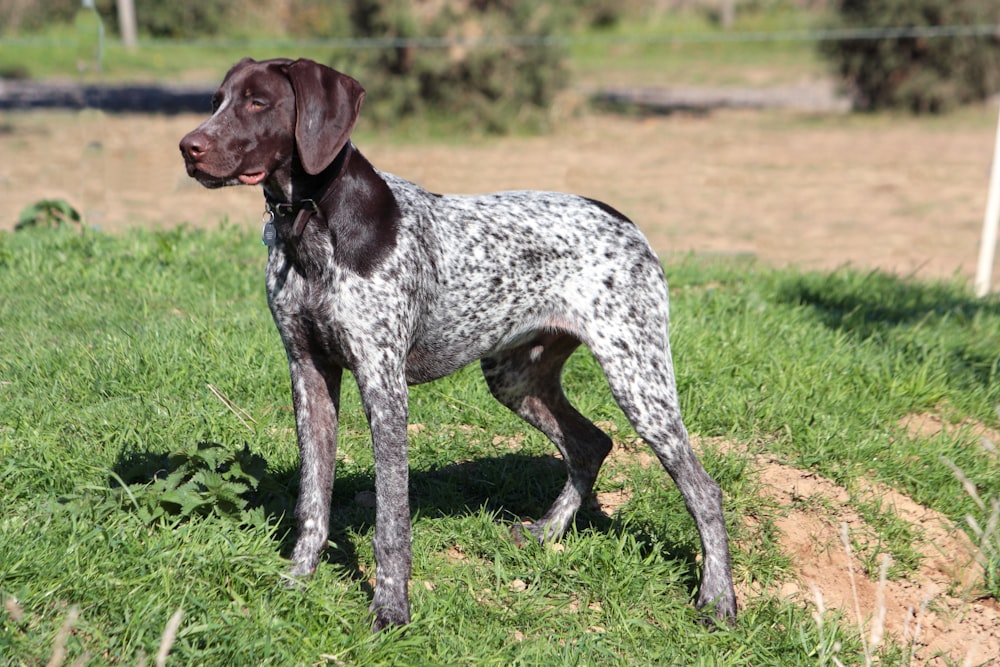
column 53, row 53
column 114, row 351
column 655, row 51
column 688, row 48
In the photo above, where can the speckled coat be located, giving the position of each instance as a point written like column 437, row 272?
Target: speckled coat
column 371, row 273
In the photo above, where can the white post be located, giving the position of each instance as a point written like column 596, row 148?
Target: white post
column 126, row 23
column 727, row 13
column 988, row 242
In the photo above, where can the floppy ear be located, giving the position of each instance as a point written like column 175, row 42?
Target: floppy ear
column 327, row 104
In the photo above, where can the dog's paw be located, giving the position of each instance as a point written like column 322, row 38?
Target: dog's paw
column 523, row 534
column 386, row 618
column 292, row 582
column 296, row 576
column 718, row 611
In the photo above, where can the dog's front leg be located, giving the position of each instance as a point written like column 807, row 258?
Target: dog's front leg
column 385, row 399
column 316, row 397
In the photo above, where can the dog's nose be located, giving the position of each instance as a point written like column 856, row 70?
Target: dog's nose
column 194, row 146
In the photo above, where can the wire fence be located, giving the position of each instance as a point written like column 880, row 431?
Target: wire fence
column 845, row 34
column 722, row 37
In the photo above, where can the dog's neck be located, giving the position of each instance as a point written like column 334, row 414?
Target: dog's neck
column 306, row 195
column 299, row 186
column 350, row 200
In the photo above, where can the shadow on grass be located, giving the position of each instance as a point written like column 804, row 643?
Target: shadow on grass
column 514, row 487
column 918, row 317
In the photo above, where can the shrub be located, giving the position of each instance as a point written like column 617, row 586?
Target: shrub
column 196, row 480
column 49, row 213
column 468, row 71
column 178, row 19
column 921, row 74
column 21, row 15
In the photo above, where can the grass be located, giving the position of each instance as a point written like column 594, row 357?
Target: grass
column 650, row 51
column 53, row 54
column 151, row 352
column 689, row 48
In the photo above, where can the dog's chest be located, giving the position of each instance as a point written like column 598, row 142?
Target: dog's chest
column 308, row 306
column 331, row 311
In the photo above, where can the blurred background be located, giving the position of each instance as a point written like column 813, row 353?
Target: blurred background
column 487, row 59
column 813, row 132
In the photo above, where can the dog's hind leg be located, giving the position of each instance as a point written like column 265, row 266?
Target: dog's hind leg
column 526, row 379
column 642, row 381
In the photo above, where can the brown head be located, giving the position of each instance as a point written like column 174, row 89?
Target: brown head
column 270, row 120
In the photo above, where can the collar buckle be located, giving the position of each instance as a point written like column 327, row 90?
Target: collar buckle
column 304, row 210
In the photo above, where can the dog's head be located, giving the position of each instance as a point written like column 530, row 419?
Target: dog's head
column 272, row 117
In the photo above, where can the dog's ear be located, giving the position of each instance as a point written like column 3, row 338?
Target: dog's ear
column 327, row 105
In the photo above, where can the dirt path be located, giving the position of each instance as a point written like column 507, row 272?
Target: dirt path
column 894, row 193
column 935, row 612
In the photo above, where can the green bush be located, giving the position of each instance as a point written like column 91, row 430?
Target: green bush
column 921, row 74
column 49, row 213
column 467, row 70
column 17, row 16
column 178, row 19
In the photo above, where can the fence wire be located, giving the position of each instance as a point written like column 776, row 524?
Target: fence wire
column 828, row 35
column 727, row 37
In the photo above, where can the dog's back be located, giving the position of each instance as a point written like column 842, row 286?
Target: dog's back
column 510, row 264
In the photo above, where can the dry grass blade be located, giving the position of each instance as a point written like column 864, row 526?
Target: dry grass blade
column 878, row 623
column 911, row 647
column 967, row 484
column 239, row 412
column 168, row 638
column 13, row 610
column 820, row 607
column 59, row 645
column 846, row 540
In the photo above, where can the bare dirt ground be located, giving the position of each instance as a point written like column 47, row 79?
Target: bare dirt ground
column 937, row 613
column 888, row 192
column 893, row 193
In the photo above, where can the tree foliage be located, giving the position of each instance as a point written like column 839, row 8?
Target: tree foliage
column 458, row 59
column 179, row 19
column 918, row 73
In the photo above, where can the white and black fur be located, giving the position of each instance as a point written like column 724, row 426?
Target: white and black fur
column 371, row 273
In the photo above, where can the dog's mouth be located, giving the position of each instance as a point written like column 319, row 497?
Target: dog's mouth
column 210, row 180
column 252, row 178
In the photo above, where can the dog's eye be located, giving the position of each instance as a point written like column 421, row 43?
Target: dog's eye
column 257, row 104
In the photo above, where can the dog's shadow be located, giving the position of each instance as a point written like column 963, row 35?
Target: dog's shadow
column 513, row 487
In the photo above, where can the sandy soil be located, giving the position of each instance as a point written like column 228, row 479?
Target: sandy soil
column 938, row 613
column 893, row 193
column 889, row 193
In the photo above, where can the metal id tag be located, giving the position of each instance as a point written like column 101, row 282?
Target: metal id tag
column 267, row 234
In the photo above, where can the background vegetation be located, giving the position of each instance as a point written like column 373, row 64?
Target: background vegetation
column 455, row 59
column 918, row 73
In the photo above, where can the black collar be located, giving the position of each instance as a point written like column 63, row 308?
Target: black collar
column 304, row 209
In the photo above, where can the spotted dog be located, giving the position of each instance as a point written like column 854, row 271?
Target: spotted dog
column 371, row 273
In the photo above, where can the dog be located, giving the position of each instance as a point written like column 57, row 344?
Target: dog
column 371, row 273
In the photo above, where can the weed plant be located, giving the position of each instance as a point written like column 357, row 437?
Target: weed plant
column 148, row 465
